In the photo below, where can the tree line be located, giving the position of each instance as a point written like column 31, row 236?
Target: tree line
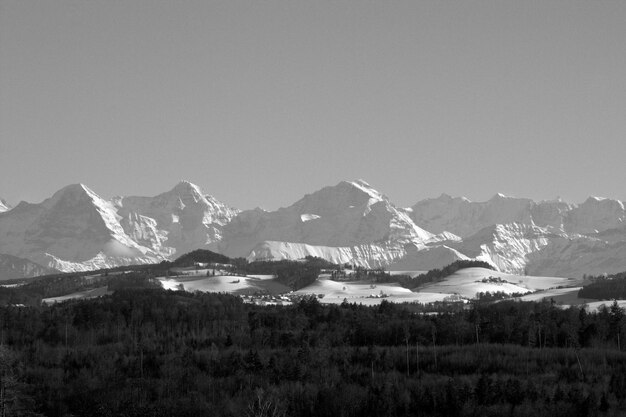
column 146, row 351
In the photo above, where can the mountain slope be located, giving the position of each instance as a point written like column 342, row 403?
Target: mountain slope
column 520, row 235
column 75, row 229
column 465, row 218
column 506, row 246
column 349, row 222
column 4, row 206
column 12, row 267
column 596, row 215
column 175, row 222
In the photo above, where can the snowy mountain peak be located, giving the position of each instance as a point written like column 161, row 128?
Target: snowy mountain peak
column 361, row 186
column 177, row 221
column 4, row 206
column 76, row 229
column 594, row 198
column 186, row 186
column 340, row 218
column 596, row 215
column 73, row 190
column 74, row 226
column 603, row 202
column 187, row 191
column 352, row 196
column 446, row 198
column 74, row 196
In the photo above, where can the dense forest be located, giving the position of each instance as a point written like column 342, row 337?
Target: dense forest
column 151, row 352
column 605, row 287
column 294, row 274
column 201, row 256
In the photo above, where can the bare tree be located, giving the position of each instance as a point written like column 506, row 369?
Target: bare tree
column 264, row 405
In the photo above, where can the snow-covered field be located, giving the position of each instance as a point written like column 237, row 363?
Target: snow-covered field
column 366, row 292
column 412, row 274
column 468, row 282
column 225, row 283
column 465, row 283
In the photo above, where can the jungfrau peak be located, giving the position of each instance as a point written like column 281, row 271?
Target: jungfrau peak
column 349, row 222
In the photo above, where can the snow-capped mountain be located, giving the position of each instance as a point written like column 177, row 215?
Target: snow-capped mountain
column 519, row 235
column 4, row 206
column 77, row 230
column 348, row 222
column 175, row 222
column 595, row 215
column 463, row 217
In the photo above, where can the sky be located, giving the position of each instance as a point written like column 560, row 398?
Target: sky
column 260, row 102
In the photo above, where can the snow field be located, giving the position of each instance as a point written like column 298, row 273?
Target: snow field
column 468, row 282
column 365, row 292
column 225, row 283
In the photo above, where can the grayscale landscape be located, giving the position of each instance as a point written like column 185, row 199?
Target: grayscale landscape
column 303, row 209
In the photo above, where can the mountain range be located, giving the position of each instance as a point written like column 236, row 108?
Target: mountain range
column 77, row 230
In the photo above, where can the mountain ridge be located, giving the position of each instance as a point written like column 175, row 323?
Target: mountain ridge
column 350, row 222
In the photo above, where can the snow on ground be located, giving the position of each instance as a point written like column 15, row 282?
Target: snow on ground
column 468, row 282
column 225, row 283
column 412, row 274
column 465, row 283
column 365, row 292
column 81, row 295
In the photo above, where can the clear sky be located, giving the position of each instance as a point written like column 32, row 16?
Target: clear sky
column 259, row 102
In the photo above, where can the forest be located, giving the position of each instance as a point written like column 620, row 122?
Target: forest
column 144, row 351
column 605, row 287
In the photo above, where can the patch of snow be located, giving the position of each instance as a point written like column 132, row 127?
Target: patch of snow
column 308, row 217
